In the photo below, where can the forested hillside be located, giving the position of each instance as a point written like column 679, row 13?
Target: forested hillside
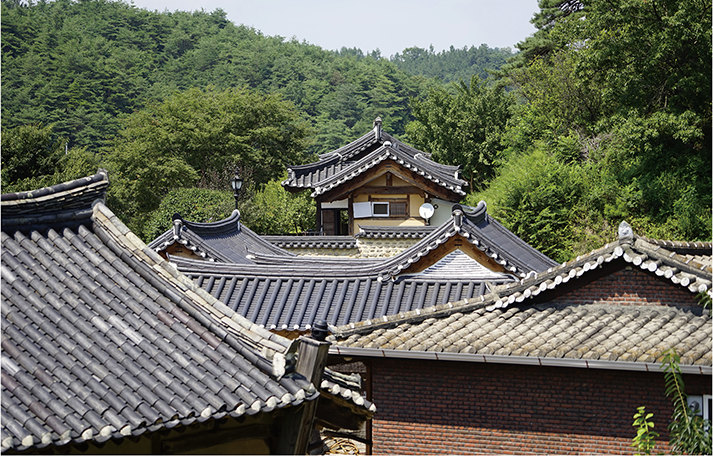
column 452, row 65
column 84, row 66
column 603, row 115
column 611, row 122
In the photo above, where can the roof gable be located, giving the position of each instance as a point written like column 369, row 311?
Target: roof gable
column 336, row 169
column 291, row 293
column 459, row 265
column 474, row 232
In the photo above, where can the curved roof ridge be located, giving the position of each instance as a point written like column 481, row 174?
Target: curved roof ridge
column 377, row 156
column 100, row 284
column 328, row 159
column 360, row 144
column 372, row 231
column 226, row 240
column 58, row 190
column 445, row 168
column 228, row 224
column 307, row 241
column 67, row 197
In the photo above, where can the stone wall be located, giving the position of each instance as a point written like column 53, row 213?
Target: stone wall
column 366, row 248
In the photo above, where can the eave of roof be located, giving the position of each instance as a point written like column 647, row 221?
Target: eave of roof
column 89, row 302
column 312, row 242
column 400, row 335
column 358, row 156
column 394, row 232
column 388, row 151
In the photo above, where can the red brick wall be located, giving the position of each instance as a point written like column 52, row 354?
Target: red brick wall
column 450, row 407
column 629, row 286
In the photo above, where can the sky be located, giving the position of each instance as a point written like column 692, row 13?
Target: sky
column 388, row 25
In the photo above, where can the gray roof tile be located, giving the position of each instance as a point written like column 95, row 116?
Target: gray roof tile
column 351, row 160
column 226, row 240
column 290, row 292
column 86, row 319
column 312, row 242
column 510, row 322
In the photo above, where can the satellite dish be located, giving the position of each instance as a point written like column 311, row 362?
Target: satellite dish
column 426, row 210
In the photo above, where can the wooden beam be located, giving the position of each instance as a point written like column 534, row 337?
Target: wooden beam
column 193, row 442
column 381, row 190
column 393, row 167
column 318, row 226
column 350, row 213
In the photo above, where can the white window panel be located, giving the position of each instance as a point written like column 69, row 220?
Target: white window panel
column 362, row 210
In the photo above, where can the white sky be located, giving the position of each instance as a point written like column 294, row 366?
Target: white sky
column 389, row 25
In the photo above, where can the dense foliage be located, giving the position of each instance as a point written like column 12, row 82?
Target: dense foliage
column 689, row 431
column 33, row 157
column 84, row 66
column 198, row 138
column 603, row 115
column 465, row 127
column 194, row 204
column 452, row 65
column 274, row 210
column 617, row 100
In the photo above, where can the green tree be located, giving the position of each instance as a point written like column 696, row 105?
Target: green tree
column 645, row 439
column 452, row 65
column 34, row 157
column 194, row 204
column 197, row 138
column 274, row 210
column 463, row 128
column 602, row 99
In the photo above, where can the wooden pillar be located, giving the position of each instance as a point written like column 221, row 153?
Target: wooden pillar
column 318, row 226
column 350, row 211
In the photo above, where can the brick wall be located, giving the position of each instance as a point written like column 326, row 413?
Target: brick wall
column 450, row 407
column 630, row 286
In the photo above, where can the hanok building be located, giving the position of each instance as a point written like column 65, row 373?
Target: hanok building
column 107, row 348
column 377, row 180
column 463, row 258
column 556, row 363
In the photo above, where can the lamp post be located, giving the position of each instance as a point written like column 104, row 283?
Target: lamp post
column 237, row 183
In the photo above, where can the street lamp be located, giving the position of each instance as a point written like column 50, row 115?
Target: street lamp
column 237, row 183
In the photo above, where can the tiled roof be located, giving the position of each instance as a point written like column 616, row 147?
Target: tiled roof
column 394, row 232
column 479, row 229
column 511, row 325
column 360, row 155
column 226, row 240
column 699, row 252
column 346, row 387
column 295, row 298
column 400, row 153
column 585, row 333
column 292, row 293
column 474, row 225
column 103, row 339
column 312, row 242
